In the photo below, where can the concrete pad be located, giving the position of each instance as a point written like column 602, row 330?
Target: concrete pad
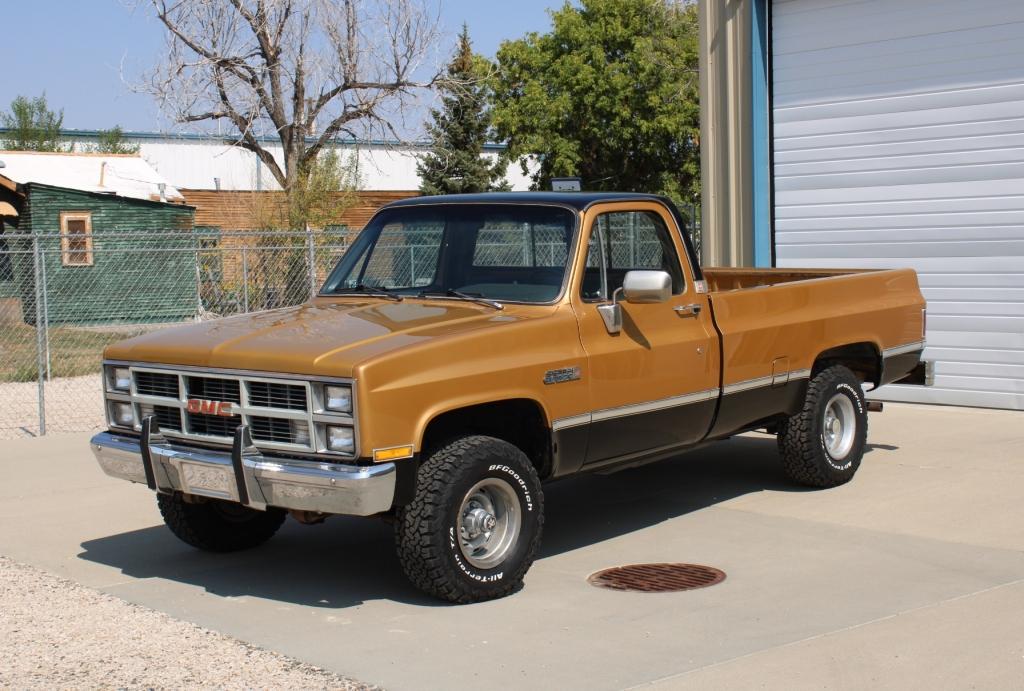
column 931, row 522
column 967, row 642
column 950, row 473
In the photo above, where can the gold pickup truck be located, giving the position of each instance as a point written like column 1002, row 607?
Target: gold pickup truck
column 468, row 349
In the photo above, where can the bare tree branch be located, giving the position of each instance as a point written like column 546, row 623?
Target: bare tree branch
column 301, row 72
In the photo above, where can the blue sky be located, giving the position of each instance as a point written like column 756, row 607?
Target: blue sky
column 75, row 51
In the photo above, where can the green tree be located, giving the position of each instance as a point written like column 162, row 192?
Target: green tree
column 609, row 94
column 32, row 126
column 318, row 198
column 112, row 142
column 320, row 195
column 459, row 130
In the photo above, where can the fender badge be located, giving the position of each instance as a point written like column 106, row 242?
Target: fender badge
column 557, row 376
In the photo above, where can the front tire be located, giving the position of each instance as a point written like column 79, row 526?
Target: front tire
column 472, row 530
column 822, row 445
column 218, row 526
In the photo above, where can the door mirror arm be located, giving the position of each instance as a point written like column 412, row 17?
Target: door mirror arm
column 611, row 313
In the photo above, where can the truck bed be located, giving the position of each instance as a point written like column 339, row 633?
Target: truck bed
column 720, row 279
column 774, row 324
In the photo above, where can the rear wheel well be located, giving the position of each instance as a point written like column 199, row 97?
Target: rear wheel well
column 863, row 359
column 519, row 421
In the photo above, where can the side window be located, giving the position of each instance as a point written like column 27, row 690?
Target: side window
column 76, row 238
column 625, row 241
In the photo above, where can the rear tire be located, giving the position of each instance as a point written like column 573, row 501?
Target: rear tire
column 218, row 526
column 822, row 445
column 472, row 530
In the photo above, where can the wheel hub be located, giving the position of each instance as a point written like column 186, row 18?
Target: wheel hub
column 489, row 522
column 477, row 521
column 839, row 426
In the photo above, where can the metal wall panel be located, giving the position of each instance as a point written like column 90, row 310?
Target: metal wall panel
column 899, row 141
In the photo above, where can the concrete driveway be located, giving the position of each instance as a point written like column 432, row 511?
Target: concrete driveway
column 911, row 576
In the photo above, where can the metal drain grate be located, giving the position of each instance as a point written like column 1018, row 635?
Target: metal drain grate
column 657, row 578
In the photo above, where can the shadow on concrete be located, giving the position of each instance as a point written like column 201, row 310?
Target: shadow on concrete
column 347, row 561
column 593, row 508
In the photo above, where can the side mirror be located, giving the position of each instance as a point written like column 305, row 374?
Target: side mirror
column 638, row 287
column 645, row 287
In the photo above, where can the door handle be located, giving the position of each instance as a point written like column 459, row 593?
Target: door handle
column 687, row 310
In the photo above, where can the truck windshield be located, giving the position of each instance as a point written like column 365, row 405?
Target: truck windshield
column 507, row 252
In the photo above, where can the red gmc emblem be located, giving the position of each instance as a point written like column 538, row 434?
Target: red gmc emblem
column 199, row 405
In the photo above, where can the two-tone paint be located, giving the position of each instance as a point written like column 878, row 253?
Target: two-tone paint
column 733, row 349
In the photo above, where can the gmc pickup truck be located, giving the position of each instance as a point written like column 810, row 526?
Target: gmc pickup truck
column 467, row 349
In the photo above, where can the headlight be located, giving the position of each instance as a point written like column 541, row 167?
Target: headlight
column 122, row 414
column 120, row 379
column 341, row 439
column 338, row 399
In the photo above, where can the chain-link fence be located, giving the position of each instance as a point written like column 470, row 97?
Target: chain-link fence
column 62, row 300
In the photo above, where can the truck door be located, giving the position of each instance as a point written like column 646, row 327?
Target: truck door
column 654, row 384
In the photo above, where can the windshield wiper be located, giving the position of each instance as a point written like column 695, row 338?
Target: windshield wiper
column 370, row 291
column 452, row 293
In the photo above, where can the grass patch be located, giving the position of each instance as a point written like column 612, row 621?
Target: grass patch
column 73, row 352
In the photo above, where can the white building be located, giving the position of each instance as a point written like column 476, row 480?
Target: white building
column 880, row 133
column 114, row 174
column 203, row 162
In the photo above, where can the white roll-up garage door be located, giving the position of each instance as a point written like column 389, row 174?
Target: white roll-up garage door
column 899, row 141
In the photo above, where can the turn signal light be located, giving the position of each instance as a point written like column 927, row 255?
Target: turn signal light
column 393, row 453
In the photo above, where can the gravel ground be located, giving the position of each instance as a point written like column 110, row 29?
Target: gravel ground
column 73, row 404
column 58, row 634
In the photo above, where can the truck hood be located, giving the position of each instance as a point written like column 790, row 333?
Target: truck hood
column 327, row 337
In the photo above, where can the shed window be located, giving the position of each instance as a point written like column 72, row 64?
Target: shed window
column 76, row 238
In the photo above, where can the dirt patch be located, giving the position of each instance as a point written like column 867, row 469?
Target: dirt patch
column 58, row 634
column 73, row 404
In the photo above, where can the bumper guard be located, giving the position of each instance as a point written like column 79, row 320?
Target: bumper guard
column 244, row 475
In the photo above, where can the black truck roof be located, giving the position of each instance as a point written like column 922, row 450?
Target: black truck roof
column 576, row 200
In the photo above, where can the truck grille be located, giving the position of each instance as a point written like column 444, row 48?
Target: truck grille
column 267, row 395
column 278, row 430
column 214, row 389
column 157, row 384
column 213, row 425
column 167, row 417
column 280, row 413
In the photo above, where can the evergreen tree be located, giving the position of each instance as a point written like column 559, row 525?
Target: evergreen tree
column 459, row 130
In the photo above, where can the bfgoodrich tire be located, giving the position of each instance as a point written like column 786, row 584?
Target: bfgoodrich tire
column 218, row 526
column 822, row 445
column 472, row 530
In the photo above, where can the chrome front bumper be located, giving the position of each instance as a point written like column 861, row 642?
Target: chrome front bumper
column 244, row 475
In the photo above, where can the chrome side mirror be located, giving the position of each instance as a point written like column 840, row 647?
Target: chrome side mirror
column 646, row 287
column 638, row 287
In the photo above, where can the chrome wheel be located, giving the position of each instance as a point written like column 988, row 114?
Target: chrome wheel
column 489, row 522
column 839, row 426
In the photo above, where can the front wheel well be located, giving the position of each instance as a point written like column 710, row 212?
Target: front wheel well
column 519, row 421
column 863, row 359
